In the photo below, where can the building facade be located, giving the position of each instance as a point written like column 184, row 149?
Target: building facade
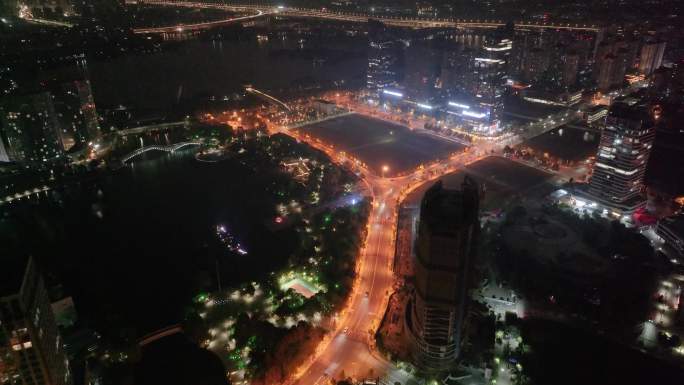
column 30, row 128
column 75, row 109
column 624, row 149
column 491, row 71
column 651, row 57
column 385, row 59
column 569, row 68
column 536, row 62
column 476, row 101
column 445, row 246
column 31, row 348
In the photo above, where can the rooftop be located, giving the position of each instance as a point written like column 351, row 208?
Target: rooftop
column 445, row 210
column 635, row 112
column 628, row 116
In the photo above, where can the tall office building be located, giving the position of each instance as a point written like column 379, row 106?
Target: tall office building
column 385, row 59
column 624, row 149
column 479, row 83
column 75, row 108
column 622, row 64
column 445, row 246
column 610, row 70
column 614, row 57
column 651, row 57
column 30, row 127
column 422, row 70
column 490, row 73
column 569, row 68
column 604, row 72
column 535, row 63
column 31, row 349
column 73, row 102
column 454, row 67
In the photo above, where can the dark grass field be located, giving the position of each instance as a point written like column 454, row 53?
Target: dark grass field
column 378, row 143
column 566, row 143
column 507, row 173
column 503, row 180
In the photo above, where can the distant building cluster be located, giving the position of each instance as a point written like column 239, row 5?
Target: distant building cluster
column 462, row 76
column 39, row 125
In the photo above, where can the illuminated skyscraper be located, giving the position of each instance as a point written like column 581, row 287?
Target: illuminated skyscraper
column 31, row 349
column 447, row 235
column 624, row 149
column 385, row 59
column 490, row 73
column 476, row 98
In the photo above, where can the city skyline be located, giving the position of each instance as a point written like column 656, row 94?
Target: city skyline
column 341, row 193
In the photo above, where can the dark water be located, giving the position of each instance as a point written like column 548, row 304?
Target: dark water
column 200, row 68
column 135, row 245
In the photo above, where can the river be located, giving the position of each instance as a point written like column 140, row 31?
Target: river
column 197, row 69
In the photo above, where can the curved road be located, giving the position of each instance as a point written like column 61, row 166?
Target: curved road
column 353, row 339
column 351, row 345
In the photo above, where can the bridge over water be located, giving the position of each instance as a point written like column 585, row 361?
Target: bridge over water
column 410, row 22
column 155, row 147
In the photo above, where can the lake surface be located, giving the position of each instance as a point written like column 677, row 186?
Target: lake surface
column 134, row 246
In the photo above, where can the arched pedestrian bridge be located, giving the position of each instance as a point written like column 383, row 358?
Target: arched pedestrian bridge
column 156, row 147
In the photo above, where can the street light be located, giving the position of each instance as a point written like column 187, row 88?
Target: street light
column 385, row 168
